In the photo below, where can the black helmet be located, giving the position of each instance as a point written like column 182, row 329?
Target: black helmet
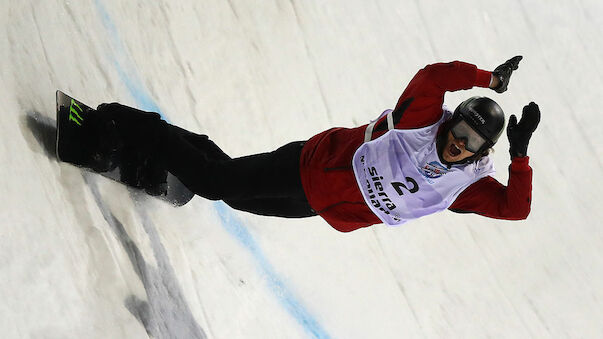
column 484, row 116
column 480, row 121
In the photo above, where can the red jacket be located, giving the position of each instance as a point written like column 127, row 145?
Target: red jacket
column 326, row 160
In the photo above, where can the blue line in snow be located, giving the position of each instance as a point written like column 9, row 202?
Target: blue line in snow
column 236, row 227
column 229, row 220
column 122, row 65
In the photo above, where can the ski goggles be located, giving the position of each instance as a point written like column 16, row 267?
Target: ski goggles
column 473, row 140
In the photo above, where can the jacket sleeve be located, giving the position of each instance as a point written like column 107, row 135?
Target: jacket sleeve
column 428, row 86
column 490, row 198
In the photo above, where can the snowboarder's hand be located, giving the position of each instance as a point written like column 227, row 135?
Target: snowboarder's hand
column 519, row 134
column 503, row 72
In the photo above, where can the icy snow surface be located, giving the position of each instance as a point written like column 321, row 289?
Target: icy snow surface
column 84, row 257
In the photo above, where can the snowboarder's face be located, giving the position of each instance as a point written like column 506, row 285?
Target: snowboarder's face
column 455, row 149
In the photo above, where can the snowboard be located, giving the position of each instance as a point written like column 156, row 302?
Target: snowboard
column 70, row 147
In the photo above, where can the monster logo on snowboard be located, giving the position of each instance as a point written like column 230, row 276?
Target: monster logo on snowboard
column 73, row 145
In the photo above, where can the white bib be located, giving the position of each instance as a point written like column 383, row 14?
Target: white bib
column 401, row 177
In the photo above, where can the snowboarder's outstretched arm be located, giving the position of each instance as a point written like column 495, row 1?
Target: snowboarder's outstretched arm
column 490, row 198
column 428, row 86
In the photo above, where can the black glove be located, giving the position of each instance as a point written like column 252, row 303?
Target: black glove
column 503, row 73
column 519, row 134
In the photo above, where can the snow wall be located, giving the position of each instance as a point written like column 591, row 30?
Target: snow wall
column 84, row 257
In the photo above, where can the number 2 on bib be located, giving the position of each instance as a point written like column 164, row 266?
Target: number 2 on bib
column 399, row 187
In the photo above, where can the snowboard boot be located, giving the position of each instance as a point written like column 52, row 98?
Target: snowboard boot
column 97, row 141
column 129, row 140
column 105, row 147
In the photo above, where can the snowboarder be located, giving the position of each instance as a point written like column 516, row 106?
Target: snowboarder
column 415, row 160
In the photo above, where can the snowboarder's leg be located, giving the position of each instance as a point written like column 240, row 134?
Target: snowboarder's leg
column 133, row 138
column 199, row 141
column 266, row 183
column 266, row 175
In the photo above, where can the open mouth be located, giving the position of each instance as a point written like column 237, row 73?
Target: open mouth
column 454, row 150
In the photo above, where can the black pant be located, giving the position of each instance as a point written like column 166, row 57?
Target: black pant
column 264, row 184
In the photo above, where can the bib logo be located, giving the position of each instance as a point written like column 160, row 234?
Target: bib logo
column 433, row 170
column 379, row 199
